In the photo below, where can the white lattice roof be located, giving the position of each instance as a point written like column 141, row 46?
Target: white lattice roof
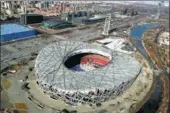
column 51, row 70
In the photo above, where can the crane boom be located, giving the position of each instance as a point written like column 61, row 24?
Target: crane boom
column 159, row 9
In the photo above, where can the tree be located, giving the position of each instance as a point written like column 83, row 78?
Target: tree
column 31, row 69
column 4, row 74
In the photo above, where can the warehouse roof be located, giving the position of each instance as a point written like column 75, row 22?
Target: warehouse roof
column 55, row 22
column 96, row 18
column 83, row 17
column 13, row 28
column 32, row 14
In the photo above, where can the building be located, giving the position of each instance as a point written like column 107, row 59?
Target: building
column 86, row 20
column 95, row 19
column 57, row 24
column 15, row 32
column 82, row 73
column 10, row 4
column 43, row 4
column 31, row 18
column 125, row 13
column 117, row 44
column 79, row 20
column 12, row 7
column 164, row 39
column 52, row 8
column 129, row 12
column 82, row 17
column 74, row 15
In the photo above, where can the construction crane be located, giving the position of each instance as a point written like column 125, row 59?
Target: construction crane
column 159, row 9
column 107, row 25
column 25, row 13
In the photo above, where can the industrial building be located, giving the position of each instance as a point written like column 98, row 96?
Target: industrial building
column 117, row 44
column 43, row 4
column 129, row 12
column 95, row 19
column 57, row 24
column 31, row 18
column 82, row 17
column 85, row 20
column 73, row 15
column 15, row 31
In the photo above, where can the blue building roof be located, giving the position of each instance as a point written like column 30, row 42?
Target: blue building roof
column 13, row 28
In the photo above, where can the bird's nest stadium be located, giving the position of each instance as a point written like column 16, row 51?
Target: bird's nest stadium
column 78, row 72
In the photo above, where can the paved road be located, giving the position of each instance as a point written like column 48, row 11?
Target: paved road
column 132, row 22
column 80, row 35
column 24, row 51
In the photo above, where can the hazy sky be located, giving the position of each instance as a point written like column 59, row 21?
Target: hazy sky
column 166, row 3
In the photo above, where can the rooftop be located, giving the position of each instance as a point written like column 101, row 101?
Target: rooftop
column 51, row 57
column 13, row 28
column 54, row 22
column 32, row 14
column 117, row 44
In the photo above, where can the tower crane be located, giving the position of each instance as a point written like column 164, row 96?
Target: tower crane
column 25, row 13
column 159, row 9
column 107, row 25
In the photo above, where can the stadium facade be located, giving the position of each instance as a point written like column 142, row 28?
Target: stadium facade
column 78, row 72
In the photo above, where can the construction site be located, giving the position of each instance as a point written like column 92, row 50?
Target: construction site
column 78, row 57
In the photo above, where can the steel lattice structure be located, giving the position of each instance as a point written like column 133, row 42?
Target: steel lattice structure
column 91, row 87
column 107, row 25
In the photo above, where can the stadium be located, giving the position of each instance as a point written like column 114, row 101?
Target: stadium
column 82, row 73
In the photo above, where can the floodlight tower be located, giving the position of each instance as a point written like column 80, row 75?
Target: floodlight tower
column 107, row 25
